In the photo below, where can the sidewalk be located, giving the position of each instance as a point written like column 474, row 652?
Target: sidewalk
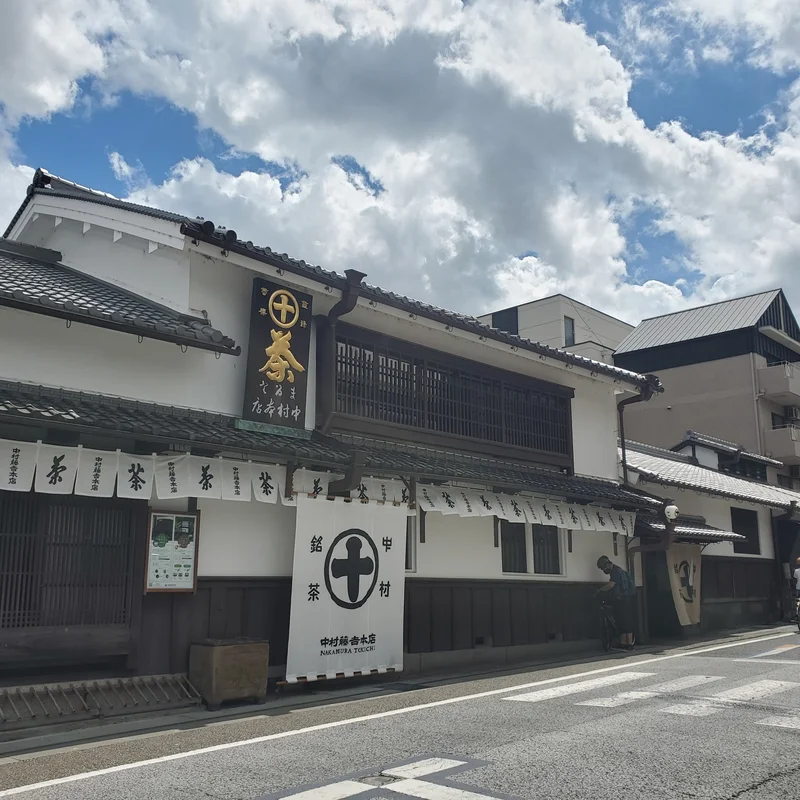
column 33, row 741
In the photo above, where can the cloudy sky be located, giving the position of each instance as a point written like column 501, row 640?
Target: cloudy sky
column 638, row 156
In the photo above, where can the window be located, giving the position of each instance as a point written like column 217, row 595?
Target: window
column 411, row 544
column 512, row 544
column 744, row 467
column 546, row 552
column 778, row 420
column 569, row 331
column 745, row 522
column 786, row 481
column 402, row 384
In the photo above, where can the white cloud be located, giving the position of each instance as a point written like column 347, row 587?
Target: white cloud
column 497, row 128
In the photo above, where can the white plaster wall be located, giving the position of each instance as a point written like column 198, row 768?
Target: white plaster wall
column 594, row 430
column 245, row 539
column 717, row 512
column 463, row 547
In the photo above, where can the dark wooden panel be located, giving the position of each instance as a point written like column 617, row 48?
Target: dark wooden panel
column 501, row 617
column 463, row 638
column 419, row 619
column 537, row 629
column 725, row 579
column 81, row 644
column 441, row 618
column 519, row 616
column 481, row 616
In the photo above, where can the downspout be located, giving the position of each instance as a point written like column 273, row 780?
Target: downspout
column 345, row 304
column 648, row 390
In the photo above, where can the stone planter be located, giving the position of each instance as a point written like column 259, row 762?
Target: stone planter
column 229, row 669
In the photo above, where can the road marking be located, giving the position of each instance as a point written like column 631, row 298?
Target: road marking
column 781, row 722
column 794, row 663
column 575, row 688
column 621, row 699
column 784, row 648
column 419, row 769
column 741, row 694
column 333, row 791
column 681, row 684
column 379, row 715
column 433, row 791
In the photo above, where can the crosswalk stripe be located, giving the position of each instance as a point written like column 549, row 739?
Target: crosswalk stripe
column 784, row 648
column 333, row 791
column 419, row 769
column 687, row 682
column 433, row 791
column 583, row 686
column 741, row 694
column 621, row 699
column 781, row 722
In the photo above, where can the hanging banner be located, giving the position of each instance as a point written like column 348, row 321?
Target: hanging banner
column 55, row 469
column 205, row 479
column 626, row 522
column 375, row 490
column 268, row 481
column 428, row 498
column 468, row 503
column 573, row 515
column 17, row 465
column 532, row 515
column 236, row 480
column 172, row 477
column 348, row 587
column 135, row 476
column 516, row 513
column 97, row 473
column 683, row 564
column 277, row 361
column 172, row 553
column 587, row 518
column 485, row 503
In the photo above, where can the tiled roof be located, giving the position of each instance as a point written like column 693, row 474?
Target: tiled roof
column 437, row 464
column 157, row 424
column 674, row 469
column 693, row 323
column 161, row 425
column 692, row 531
column 205, row 230
column 32, row 279
column 723, row 446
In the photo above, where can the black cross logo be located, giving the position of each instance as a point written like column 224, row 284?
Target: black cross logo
column 354, row 567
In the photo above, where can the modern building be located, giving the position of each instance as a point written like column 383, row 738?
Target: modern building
column 730, row 370
column 559, row 321
column 183, row 414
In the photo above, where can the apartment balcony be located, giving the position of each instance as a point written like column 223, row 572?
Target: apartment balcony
column 783, row 443
column 781, row 384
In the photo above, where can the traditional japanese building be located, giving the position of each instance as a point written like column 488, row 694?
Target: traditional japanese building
column 174, row 399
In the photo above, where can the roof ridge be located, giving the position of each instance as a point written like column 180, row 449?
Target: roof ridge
column 711, row 305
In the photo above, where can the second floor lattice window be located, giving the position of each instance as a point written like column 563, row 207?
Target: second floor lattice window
column 401, row 384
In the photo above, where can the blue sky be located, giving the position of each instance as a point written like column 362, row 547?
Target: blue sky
column 399, row 137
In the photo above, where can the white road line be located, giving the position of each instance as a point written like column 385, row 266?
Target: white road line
column 681, row 684
column 432, row 791
column 420, row 769
column 381, row 715
column 741, row 694
column 781, row 722
column 784, row 648
column 575, row 688
column 794, row 663
column 621, row 699
column 333, row 791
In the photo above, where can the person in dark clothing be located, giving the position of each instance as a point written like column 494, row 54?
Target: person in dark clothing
column 623, row 592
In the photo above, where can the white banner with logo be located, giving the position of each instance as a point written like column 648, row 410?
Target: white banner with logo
column 268, row 481
column 55, row 469
column 17, row 465
column 236, row 480
column 172, row 476
column 97, row 473
column 348, row 585
column 135, row 476
column 683, row 562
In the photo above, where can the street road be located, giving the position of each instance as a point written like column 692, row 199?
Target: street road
column 714, row 721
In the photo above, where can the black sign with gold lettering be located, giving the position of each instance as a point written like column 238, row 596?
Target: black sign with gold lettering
column 277, row 360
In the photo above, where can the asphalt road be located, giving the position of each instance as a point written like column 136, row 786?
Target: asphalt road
column 715, row 721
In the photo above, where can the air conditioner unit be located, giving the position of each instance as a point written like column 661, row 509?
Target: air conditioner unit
column 793, row 413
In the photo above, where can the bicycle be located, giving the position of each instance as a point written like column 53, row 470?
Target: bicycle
column 608, row 623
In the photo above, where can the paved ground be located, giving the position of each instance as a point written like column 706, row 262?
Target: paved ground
column 715, row 721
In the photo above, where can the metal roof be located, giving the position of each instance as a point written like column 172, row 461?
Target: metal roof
column 723, row 446
column 32, row 279
column 694, row 323
column 204, row 230
column 695, row 532
column 674, row 469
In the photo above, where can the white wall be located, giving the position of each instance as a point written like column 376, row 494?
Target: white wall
column 717, row 513
column 594, row 430
column 245, row 539
column 463, row 547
